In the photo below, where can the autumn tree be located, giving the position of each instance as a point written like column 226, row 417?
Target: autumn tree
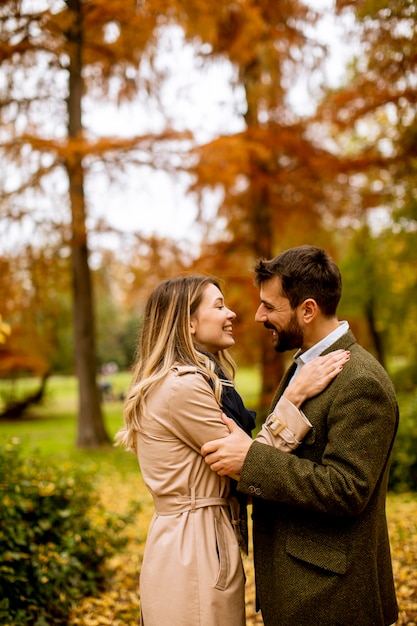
column 123, row 283
column 372, row 119
column 274, row 178
column 54, row 54
column 30, row 343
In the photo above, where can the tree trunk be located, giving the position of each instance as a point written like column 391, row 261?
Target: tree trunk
column 17, row 408
column 91, row 430
column 375, row 334
column 272, row 363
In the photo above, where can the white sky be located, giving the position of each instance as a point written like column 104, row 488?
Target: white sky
column 203, row 101
column 199, row 99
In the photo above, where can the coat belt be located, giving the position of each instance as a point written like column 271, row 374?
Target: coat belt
column 172, row 505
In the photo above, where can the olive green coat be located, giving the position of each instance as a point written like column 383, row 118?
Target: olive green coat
column 322, row 555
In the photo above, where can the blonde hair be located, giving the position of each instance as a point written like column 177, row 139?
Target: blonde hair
column 166, row 340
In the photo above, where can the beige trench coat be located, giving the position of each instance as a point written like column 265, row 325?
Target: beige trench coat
column 192, row 573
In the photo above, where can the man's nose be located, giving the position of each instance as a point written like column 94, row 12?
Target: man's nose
column 260, row 315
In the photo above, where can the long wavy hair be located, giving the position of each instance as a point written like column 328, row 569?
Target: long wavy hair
column 165, row 340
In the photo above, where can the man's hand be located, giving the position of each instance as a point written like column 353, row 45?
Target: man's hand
column 226, row 456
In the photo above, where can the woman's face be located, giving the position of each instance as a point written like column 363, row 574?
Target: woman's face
column 211, row 324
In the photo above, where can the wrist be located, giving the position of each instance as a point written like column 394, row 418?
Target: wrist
column 296, row 397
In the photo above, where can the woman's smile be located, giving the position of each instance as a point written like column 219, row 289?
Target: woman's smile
column 212, row 323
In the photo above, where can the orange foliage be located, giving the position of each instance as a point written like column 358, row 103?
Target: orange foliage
column 14, row 364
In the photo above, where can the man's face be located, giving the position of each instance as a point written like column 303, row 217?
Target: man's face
column 275, row 313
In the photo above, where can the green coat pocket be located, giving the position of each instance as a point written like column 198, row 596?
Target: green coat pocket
column 324, row 556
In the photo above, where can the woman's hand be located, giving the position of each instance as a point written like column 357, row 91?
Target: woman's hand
column 314, row 376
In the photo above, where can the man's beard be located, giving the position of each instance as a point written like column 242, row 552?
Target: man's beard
column 289, row 338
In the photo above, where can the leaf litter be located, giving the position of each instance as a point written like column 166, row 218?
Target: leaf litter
column 118, row 603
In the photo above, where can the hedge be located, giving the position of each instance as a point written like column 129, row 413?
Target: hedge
column 55, row 539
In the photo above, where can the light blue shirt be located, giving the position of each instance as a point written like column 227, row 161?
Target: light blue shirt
column 301, row 358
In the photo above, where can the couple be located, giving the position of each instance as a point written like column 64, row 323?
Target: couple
column 318, row 477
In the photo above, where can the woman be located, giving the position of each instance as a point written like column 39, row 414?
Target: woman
column 192, row 573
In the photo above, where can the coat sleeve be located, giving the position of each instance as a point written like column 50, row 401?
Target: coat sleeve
column 360, row 426
column 194, row 414
column 285, row 427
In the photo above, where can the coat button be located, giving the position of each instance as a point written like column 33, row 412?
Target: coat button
column 251, row 489
column 258, row 491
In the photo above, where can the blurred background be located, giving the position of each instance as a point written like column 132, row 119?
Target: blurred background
column 142, row 139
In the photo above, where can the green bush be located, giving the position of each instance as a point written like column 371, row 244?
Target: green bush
column 403, row 474
column 55, row 537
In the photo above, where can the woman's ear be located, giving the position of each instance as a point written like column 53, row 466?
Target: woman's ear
column 192, row 327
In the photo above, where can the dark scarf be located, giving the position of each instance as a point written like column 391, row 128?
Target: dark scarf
column 231, row 402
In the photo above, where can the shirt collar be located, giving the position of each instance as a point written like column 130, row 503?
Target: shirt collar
column 301, row 358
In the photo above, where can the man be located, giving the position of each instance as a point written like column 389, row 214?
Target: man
column 321, row 546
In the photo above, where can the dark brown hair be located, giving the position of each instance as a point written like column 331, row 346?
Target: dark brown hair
column 305, row 272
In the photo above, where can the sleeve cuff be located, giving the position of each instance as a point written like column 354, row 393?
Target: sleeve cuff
column 285, row 427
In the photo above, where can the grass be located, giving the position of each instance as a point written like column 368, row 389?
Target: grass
column 51, row 428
